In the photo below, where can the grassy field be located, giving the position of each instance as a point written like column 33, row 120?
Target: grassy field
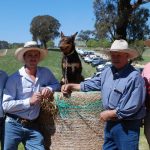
column 146, row 56
column 9, row 64
column 53, row 61
column 143, row 143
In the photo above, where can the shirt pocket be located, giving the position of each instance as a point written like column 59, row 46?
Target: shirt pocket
column 115, row 97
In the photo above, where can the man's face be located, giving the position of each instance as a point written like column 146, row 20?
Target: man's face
column 31, row 58
column 119, row 59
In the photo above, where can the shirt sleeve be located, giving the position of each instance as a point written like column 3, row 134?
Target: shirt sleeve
column 93, row 84
column 52, row 82
column 3, row 79
column 10, row 103
column 133, row 98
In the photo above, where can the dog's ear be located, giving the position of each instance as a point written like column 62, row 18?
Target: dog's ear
column 62, row 34
column 74, row 35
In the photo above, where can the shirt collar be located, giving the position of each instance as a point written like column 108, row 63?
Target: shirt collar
column 23, row 73
column 118, row 73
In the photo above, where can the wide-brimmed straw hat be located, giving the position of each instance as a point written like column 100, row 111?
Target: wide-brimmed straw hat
column 122, row 46
column 147, row 42
column 28, row 46
column 3, row 52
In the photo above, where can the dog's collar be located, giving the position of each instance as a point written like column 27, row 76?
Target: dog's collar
column 70, row 53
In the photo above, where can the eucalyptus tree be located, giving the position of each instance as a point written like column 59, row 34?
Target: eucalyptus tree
column 4, row 45
column 138, row 29
column 44, row 28
column 85, row 35
column 116, row 18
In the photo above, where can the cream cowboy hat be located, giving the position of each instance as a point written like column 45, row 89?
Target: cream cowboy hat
column 28, row 46
column 122, row 46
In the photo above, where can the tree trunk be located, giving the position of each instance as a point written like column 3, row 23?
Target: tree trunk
column 124, row 12
column 45, row 46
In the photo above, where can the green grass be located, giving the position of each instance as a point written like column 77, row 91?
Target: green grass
column 143, row 145
column 9, row 64
column 146, row 56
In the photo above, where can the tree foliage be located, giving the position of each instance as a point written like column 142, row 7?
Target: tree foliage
column 138, row 29
column 105, row 14
column 139, row 46
column 44, row 28
column 4, row 45
column 92, row 43
column 103, row 43
column 117, row 19
column 50, row 44
column 85, row 35
column 15, row 45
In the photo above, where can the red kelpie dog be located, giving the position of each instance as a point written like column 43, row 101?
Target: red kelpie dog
column 71, row 64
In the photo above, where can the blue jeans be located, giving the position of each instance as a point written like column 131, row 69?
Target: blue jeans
column 1, row 132
column 122, row 135
column 15, row 133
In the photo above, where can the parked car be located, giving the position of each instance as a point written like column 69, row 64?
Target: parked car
column 90, row 52
column 97, row 61
column 80, row 51
column 83, row 54
column 87, row 59
column 101, row 67
column 108, row 63
column 96, row 74
column 92, row 56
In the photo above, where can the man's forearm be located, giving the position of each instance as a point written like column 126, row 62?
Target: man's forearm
column 108, row 115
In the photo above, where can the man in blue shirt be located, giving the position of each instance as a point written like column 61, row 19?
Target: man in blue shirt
column 3, row 78
column 23, row 94
column 123, row 94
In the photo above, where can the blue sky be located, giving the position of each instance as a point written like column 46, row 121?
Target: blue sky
column 16, row 16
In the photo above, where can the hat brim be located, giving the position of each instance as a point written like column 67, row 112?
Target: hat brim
column 19, row 54
column 3, row 52
column 132, row 52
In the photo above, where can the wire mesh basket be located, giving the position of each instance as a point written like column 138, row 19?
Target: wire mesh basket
column 76, row 126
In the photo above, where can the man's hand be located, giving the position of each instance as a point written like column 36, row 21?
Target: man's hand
column 66, row 89
column 108, row 115
column 46, row 93
column 36, row 98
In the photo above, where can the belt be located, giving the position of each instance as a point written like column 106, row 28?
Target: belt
column 124, row 121
column 24, row 122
